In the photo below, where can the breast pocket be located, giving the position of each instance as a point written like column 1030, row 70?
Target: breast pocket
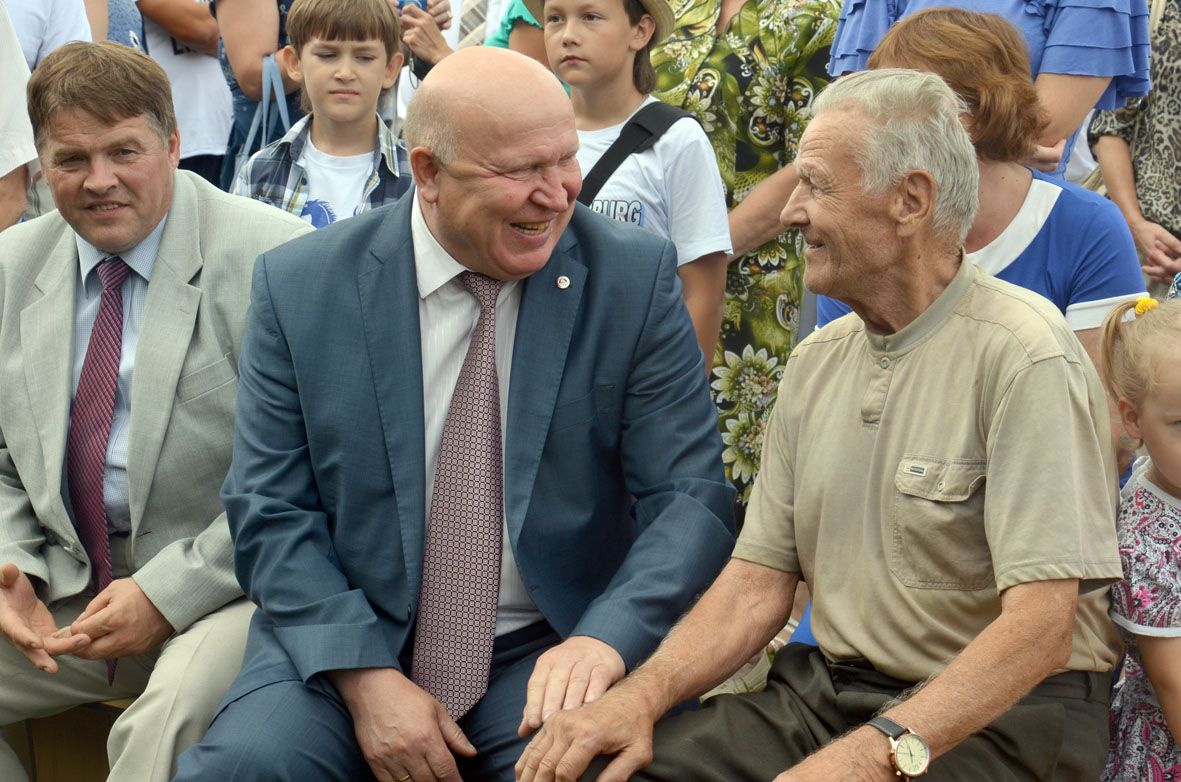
column 208, row 378
column 937, row 526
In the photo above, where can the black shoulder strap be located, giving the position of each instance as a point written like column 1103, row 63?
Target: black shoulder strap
column 641, row 132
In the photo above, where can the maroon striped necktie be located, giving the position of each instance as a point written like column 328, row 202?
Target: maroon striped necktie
column 90, row 425
column 461, row 557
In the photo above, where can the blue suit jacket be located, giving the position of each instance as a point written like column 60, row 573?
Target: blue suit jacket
column 617, row 507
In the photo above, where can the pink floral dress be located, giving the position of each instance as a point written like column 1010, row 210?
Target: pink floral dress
column 1146, row 602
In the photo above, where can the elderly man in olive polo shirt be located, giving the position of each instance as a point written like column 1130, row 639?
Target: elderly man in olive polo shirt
column 938, row 468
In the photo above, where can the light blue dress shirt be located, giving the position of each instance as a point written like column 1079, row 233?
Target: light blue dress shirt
column 87, row 296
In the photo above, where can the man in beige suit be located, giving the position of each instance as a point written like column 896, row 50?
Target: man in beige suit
column 120, row 322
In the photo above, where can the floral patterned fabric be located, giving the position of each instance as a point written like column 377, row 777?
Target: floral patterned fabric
column 750, row 87
column 1146, row 602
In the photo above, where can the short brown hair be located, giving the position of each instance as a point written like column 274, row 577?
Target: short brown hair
column 107, row 80
column 643, row 74
column 344, row 20
column 984, row 59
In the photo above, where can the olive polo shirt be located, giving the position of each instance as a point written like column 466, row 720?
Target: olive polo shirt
column 911, row 478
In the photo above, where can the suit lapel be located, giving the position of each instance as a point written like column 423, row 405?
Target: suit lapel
column 544, row 327
column 170, row 312
column 47, row 348
column 388, row 290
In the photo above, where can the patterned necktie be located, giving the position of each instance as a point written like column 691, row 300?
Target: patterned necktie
column 461, row 562
column 90, row 425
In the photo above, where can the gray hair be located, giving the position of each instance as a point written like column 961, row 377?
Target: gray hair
column 914, row 126
column 430, row 123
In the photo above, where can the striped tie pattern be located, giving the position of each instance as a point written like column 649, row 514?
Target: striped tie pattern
column 90, row 425
column 461, row 560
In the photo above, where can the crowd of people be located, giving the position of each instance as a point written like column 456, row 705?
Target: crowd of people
column 380, row 407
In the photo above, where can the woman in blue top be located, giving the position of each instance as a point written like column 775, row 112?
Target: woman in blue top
column 1082, row 53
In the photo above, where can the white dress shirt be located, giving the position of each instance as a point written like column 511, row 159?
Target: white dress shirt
column 447, row 314
column 87, row 296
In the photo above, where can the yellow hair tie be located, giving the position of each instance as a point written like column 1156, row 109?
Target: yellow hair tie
column 1145, row 304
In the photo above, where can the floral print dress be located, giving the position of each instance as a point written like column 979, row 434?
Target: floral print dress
column 751, row 88
column 1146, row 602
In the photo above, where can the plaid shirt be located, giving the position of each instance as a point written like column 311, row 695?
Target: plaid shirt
column 274, row 176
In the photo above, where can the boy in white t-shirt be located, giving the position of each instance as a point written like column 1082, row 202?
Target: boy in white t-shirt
column 341, row 159
column 600, row 48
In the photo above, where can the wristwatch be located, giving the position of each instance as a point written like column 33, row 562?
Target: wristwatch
column 909, row 753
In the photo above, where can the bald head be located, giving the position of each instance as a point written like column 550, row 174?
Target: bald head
column 478, row 88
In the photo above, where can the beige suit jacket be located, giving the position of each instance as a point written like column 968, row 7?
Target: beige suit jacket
column 182, row 398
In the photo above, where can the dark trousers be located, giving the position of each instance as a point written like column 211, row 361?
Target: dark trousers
column 290, row 732
column 1058, row 732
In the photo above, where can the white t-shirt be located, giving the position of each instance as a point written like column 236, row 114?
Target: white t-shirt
column 336, row 185
column 204, row 108
column 44, row 25
column 673, row 189
column 16, row 134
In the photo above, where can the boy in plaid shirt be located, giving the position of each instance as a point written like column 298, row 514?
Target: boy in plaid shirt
column 341, row 159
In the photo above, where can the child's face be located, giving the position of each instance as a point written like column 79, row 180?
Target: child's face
column 343, row 79
column 592, row 42
column 1158, row 423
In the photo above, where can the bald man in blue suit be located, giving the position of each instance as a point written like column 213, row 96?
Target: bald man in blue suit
column 616, row 509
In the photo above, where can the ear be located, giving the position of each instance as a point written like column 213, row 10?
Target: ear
column 174, row 147
column 426, row 172
column 914, row 203
column 1129, row 418
column 288, row 58
column 392, row 69
column 642, row 33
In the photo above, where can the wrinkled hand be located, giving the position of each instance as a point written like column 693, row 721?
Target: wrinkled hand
column 619, row 723
column 421, row 34
column 1047, row 158
column 1159, row 249
column 576, row 671
column 27, row 623
column 441, row 11
column 120, row 622
column 861, row 756
column 400, row 728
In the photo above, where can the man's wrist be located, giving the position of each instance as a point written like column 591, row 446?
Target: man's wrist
column 873, row 753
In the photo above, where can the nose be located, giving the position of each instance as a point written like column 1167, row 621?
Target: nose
column 100, row 176
column 794, row 215
column 556, row 189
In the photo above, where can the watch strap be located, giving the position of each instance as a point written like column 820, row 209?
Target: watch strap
column 888, row 726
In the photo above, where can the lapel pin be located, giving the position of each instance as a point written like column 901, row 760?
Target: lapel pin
column 563, row 282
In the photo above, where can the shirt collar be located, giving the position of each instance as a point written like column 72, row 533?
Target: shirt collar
column 141, row 258
column 433, row 266
column 385, row 145
column 929, row 319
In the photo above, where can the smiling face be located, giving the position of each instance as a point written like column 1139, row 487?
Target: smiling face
column 501, row 204
column 849, row 233
column 343, row 79
column 112, row 182
column 593, row 42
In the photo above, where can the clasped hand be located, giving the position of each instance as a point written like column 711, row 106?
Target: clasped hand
column 119, row 622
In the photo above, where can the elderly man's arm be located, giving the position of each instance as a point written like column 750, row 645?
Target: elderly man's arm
column 1025, row 644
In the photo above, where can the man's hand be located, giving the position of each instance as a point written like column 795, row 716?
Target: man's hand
column 403, row 732
column 1047, row 158
column 861, row 756
column 27, row 623
column 119, row 622
column 619, row 724
column 420, row 32
column 1160, row 250
column 576, row 671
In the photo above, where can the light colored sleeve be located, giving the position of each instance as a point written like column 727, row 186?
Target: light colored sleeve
column 67, row 22
column 16, row 134
column 698, row 222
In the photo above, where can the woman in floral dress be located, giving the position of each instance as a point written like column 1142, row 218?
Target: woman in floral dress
column 749, row 69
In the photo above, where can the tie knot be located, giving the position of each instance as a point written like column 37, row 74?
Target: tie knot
column 485, row 289
column 113, row 272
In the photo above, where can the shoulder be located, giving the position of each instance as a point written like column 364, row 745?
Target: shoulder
column 25, row 247
column 248, row 225
column 1021, row 323
column 616, row 253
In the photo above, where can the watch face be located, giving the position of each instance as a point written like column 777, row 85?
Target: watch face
column 911, row 755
